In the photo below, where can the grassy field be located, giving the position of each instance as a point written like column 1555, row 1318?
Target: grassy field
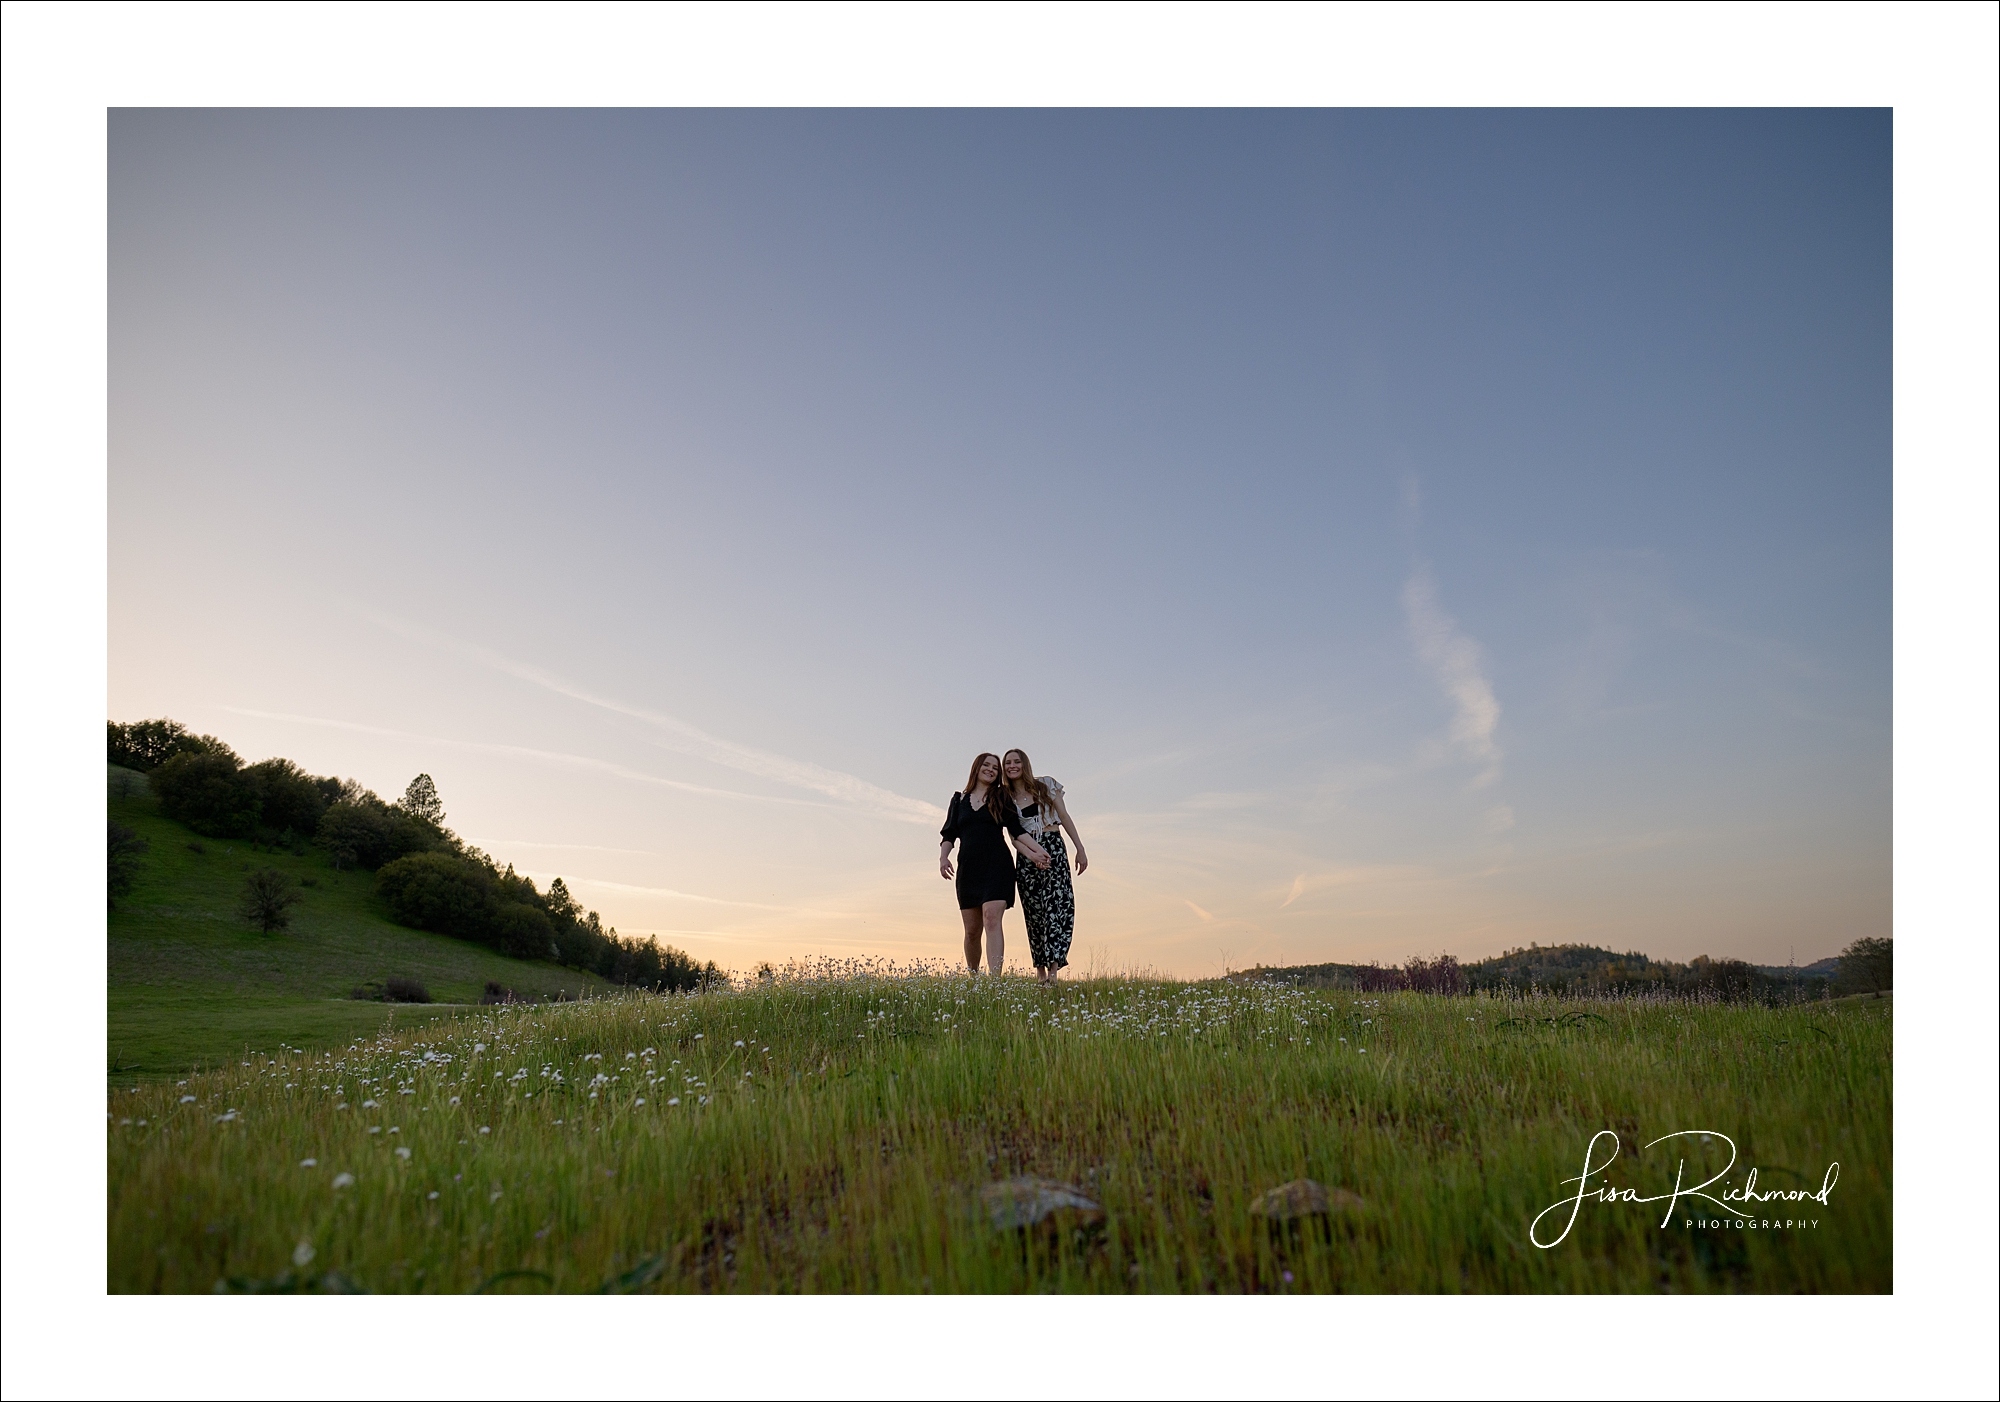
column 192, row 984
column 832, row 1134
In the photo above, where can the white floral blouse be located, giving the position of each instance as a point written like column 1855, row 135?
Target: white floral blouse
column 1034, row 820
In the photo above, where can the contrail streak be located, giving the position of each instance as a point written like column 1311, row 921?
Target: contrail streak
column 523, row 752
column 688, row 739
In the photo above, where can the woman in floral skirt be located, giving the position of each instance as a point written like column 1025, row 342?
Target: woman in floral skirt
column 1047, row 901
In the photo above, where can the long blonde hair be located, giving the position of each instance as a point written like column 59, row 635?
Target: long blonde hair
column 1037, row 790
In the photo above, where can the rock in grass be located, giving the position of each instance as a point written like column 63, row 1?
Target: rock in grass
column 1038, row 1203
column 1301, row 1199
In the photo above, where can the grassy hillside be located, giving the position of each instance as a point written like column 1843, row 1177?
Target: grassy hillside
column 837, row 1135
column 194, row 984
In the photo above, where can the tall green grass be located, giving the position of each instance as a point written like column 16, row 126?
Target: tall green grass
column 832, row 1134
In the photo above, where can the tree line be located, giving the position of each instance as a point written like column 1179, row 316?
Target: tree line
column 1866, row 966
column 427, row 876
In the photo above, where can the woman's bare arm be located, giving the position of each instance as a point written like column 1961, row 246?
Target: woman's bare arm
column 1037, row 853
column 1069, row 827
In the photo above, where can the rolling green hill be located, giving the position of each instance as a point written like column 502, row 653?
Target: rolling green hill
column 192, row 983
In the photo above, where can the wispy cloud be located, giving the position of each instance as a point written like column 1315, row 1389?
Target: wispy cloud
column 1198, row 910
column 524, row 752
column 1308, row 883
column 687, row 739
column 1454, row 659
column 491, row 843
column 670, row 893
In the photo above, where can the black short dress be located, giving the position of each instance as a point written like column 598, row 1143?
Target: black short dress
column 985, row 866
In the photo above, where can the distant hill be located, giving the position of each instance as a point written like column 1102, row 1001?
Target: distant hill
column 1571, row 968
column 1825, row 968
column 191, row 982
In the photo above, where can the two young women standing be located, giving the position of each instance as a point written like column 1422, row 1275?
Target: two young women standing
column 1003, row 796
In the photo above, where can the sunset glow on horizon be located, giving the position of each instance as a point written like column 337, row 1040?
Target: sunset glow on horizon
column 1402, row 533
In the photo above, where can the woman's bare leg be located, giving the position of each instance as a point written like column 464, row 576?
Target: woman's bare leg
column 972, row 925
column 996, row 939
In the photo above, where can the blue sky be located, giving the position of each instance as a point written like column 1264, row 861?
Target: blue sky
column 1403, row 532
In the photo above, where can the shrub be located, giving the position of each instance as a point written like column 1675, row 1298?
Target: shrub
column 147, row 744
column 128, row 783
column 392, row 990
column 436, row 891
column 369, row 834
column 209, row 792
column 1867, row 966
column 458, row 896
column 123, row 847
column 268, row 899
column 1439, row 975
column 289, row 797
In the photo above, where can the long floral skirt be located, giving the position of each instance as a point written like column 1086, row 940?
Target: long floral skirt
column 1048, row 902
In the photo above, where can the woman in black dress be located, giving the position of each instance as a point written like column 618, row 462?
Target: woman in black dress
column 975, row 821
